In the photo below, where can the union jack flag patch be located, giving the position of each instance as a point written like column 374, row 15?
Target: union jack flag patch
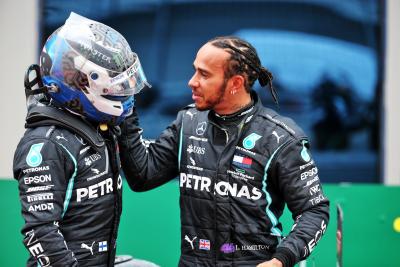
column 204, row 244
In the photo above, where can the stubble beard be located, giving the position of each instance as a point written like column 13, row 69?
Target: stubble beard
column 211, row 103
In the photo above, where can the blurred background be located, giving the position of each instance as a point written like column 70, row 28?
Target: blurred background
column 335, row 65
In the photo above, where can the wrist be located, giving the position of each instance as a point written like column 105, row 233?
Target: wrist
column 276, row 262
column 285, row 256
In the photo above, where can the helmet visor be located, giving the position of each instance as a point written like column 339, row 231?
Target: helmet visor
column 130, row 82
column 108, row 82
column 101, row 54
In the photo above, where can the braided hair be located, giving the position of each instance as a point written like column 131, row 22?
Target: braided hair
column 244, row 60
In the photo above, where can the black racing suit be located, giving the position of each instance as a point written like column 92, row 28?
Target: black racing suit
column 234, row 183
column 70, row 190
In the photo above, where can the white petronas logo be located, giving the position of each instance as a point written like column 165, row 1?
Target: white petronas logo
column 222, row 188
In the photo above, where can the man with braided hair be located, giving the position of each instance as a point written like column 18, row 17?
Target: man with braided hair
column 238, row 164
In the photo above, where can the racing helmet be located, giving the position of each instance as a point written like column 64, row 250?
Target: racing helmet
column 91, row 70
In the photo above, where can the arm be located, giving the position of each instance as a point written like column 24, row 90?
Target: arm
column 148, row 165
column 42, row 171
column 297, row 179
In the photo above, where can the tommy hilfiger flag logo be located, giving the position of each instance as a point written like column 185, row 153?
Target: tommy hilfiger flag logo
column 204, row 244
column 242, row 162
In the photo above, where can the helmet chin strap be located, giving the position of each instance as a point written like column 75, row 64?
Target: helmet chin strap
column 37, row 80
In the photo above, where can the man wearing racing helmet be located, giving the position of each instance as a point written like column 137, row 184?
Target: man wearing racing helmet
column 67, row 163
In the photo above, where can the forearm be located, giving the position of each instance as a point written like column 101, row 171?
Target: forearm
column 147, row 165
column 308, row 229
column 47, row 245
column 141, row 169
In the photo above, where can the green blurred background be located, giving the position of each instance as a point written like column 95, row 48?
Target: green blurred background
column 150, row 226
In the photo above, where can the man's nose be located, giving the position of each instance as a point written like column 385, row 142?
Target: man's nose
column 193, row 83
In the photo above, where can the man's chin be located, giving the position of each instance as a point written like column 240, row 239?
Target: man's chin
column 201, row 107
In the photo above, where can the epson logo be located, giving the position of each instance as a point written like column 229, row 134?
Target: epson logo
column 43, row 178
column 41, row 207
column 221, row 188
column 309, row 173
column 94, row 191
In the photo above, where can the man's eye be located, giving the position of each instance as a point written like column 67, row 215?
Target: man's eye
column 204, row 74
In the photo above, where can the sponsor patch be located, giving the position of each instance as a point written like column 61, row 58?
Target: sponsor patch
column 250, row 141
column 43, row 178
column 228, row 248
column 102, row 246
column 39, row 188
column 304, row 152
column 202, row 139
column 242, row 162
column 34, row 158
column 204, row 244
column 201, row 128
column 196, row 149
column 41, row 207
column 190, row 241
column 40, row 197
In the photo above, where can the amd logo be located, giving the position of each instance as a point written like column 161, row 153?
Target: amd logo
column 41, row 207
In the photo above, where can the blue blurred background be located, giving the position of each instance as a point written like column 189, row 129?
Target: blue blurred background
column 326, row 57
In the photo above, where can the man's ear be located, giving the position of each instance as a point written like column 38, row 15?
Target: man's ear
column 236, row 82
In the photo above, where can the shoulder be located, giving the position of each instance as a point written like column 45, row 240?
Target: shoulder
column 67, row 122
column 192, row 113
column 36, row 145
column 50, row 137
column 42, row 134
column 285, row 124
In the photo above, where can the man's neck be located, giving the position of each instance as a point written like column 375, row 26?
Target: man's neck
column 234, row 104
column 238, row 114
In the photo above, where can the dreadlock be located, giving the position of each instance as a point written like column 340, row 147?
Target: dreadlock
column 244, row 60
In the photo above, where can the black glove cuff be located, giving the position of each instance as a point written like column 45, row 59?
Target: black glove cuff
column 286, row 256
column 128, row 125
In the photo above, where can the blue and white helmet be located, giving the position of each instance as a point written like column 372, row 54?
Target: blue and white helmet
column 93, row 70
